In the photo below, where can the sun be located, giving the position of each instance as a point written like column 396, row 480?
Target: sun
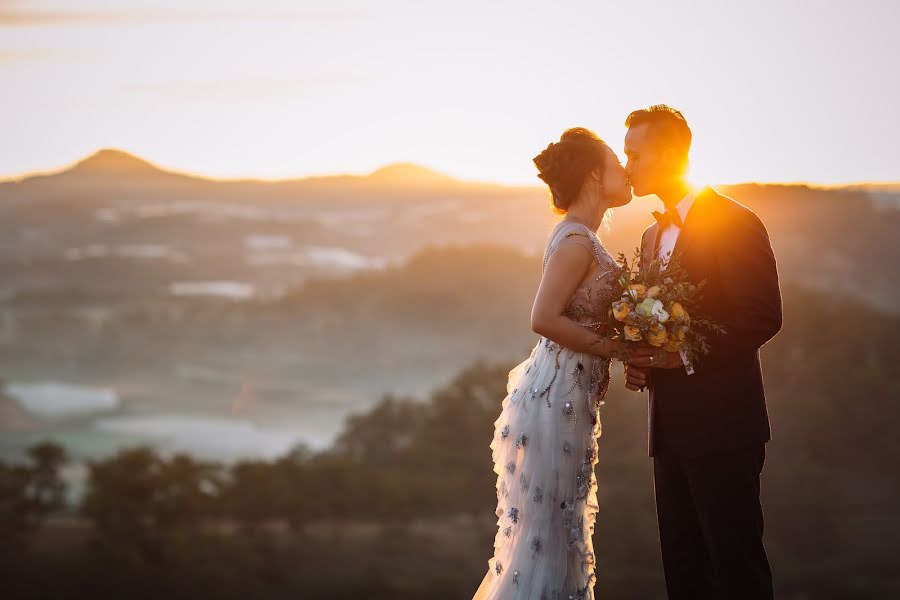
column 698, row 174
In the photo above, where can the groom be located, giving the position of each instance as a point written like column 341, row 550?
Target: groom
column 708, row 421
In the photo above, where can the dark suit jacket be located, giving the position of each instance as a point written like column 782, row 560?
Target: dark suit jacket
column 722, row 406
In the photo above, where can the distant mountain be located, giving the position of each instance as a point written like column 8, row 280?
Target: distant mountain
column 117, row 163
column 409, row 173
column 110, row 161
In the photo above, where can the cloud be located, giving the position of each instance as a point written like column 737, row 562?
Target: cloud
column 11, row 17
column 11, row 56
column 240, row 90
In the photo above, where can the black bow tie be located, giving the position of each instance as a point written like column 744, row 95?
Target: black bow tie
column 667, row 218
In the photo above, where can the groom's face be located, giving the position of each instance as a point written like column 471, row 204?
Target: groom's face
column 648, row 166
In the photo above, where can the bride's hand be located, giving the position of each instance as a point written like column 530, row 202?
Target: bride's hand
column 612, row 348
column 645, row 356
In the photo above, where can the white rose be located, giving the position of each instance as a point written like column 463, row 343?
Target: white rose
column 659, row 312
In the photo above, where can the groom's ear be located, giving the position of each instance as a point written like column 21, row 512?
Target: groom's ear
column 668, row 155
column 674, row 159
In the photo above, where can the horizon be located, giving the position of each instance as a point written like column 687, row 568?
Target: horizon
column 431, row 171
column 285, row 90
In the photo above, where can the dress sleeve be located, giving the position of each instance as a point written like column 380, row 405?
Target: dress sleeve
column 573, row 238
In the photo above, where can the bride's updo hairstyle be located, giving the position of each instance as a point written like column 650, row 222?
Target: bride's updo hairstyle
column 565, row 165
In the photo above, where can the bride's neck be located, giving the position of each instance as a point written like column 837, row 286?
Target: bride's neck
column 587, row 213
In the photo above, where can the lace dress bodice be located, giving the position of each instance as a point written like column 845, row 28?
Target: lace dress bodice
column 589, row 304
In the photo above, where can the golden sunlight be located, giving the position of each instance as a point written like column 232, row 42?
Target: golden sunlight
column 277, row 90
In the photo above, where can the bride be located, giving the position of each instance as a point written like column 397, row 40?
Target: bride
column 544, row 446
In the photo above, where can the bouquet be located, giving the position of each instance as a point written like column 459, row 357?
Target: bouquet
column 658, row 307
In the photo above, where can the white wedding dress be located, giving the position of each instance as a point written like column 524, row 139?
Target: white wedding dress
column 544, row 450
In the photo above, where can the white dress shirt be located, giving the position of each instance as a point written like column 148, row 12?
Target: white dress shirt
column 667, row 239
column 669, row 235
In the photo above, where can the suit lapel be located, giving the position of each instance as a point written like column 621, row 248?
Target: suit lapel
column 649, row 240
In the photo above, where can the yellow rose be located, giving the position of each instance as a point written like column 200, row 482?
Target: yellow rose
column 673, row 344
column 657, row 336
column 653, row 292
column 678, row 313
column 620, row 310
column 637, row 291
column 632, row 333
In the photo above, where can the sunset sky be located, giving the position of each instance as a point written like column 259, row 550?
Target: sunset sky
column 775, row 90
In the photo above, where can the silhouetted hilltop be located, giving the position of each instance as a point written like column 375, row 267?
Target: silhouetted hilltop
column 409, row 173
column 117, row 163
column 110, row 161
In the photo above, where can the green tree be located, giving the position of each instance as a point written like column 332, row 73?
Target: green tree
column 30, row 492
column 46, row 489
column 186, row 493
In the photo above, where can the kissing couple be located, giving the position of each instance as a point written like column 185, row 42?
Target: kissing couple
column 707, row 417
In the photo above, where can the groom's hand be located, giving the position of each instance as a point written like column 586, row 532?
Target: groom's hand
column 650, row 357
column 636, row 378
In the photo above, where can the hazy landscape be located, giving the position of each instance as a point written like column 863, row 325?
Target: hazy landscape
column 358, row 329
column 265, row 268
column 259, row 314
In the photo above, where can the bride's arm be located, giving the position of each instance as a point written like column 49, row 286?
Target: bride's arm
column 565, row 269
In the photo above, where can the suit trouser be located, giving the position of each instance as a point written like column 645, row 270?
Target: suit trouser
column 711, row 526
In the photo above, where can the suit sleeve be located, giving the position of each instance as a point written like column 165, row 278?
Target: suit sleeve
column 750, row 283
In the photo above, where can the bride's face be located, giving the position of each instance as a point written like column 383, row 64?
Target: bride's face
column 615, row 182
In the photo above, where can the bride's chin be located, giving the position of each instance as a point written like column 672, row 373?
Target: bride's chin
column 624, row 199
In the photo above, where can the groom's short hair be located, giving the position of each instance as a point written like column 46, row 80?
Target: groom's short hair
column 666, row 124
